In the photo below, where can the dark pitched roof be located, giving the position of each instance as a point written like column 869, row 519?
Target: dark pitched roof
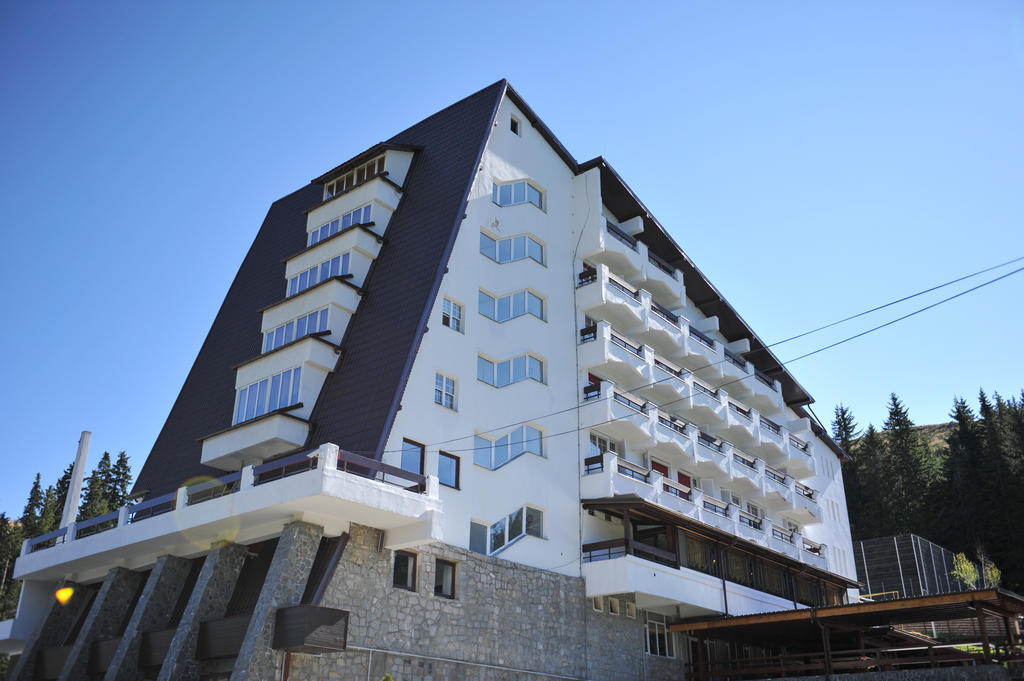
column 358, row 402
column 206, row 399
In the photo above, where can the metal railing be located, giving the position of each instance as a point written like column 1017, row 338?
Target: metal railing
column 672, row 424
column 587, row 276
column 677, row 490
column 804, row 491
column 623, row 288
column 715, row 506
column 709, row 442
column 665, row 314
column 631, row 470
column 735, row 359
column 745, row 459
column 701, row 388
column 622, row 399
column 637, row 350
column 771, row 426
column 751, row 520
column 661, row 264
column 588, row 333
column 775, row 475
column 101, row 523
column 784, row 535
column 765, row 379
column 745, row 413
column 617, row 232
column 702, row 339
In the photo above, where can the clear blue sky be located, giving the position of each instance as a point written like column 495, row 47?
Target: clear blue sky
column 814, row 159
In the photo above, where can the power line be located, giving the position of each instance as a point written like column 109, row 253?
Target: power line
column 722, row 385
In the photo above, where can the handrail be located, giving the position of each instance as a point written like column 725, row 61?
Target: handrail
column 588, row 333
column 804, row 490
column 765, row 378
column 745, row 459
column 661, row 264
column 735, row 359
column 637, row 350
column 212, row 489
column 154, row 506
column 784, row 535
column 677, row 489
column 664, row 313
column 672, row 424
column 591, row 390
column 622, row 463
column 95, row 523
column 668, row 369
column 594, row 464
column 704, row 340
column 775, row 475
column 798, row 443
column 709, row 442
column 745, row 413
column 617, row 232
column 771, row 426
column 587, row 276
column 622, row 287
column 361, row 464
column 704, row 389
column 641, row 547
column 750, row 520
column 622, row 399
column 33, row 544
column 284, row 467
column 716, row 506
column 812, row 546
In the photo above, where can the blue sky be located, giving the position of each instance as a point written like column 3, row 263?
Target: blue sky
column 814, row 159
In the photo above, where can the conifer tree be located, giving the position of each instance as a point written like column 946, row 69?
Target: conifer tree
column 33, row 507
column 120, row 481
column 875, row 510
column 61, row 488
column 957, row 506
column 94, row 498
column 912, row 470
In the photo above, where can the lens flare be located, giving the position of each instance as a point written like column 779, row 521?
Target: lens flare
column 205, row 488
column 64, row 594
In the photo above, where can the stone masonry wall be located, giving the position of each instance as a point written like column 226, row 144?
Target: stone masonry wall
column 507, row 621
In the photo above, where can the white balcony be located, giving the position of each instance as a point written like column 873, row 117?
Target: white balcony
column 675, row 442
column 620, row 416
column 746, row 473
column 379, row 192
column 801, row 458
column 339, row 297
column 777, row 491
column 736, row 373
column 805, row 509
column 669, row 384
column 245, row 507
column 701, row 353
column 704, row 406
column 602, row 295
column 610, row 355
column 609, row 245
column 660, row 278
column 710, row 460
column 257, row 440
column 765, row 393
column 614, row 476
column 662, row 329
column 784, row 541
column 772, row 443
column 740, row 425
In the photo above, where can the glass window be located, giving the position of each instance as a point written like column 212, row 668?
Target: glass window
column 534, row 305
column 515, row 193
column 488, row 246
column 448, row 469
column 536, row 369
column 451, row 314
column 511, row 249
column 444, row 578
column 533, row 195
column 535, row 251
column 659, row 638
column 477, row 537
column 485, row 370
column 405, row 570
column 482, row 451
column 534, row 522
column 497, row 534
column 519, row 192
column 500, row 450
column 503, row 373
column 412, row 456
column 444, row 391
column 532, row 441
column 515, row 524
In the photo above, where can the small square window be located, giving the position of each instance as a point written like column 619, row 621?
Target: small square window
column 613, row 606
column 514, row 125
column 444, row 391
column 631, row 610
column 597, row 603
column 451, row 315
column 405, row 570
column 444, row 579
column 448, row 469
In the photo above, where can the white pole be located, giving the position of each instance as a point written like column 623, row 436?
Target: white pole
column 77, row 476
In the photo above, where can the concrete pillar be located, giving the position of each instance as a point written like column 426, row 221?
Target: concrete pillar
column 209, row 601
column 152, row 612
column 52, row 630
column 103, row 621
column 284, row 585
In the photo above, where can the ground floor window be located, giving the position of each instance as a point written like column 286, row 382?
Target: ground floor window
column 659, row 638
column 405, row 570
column 444, row 579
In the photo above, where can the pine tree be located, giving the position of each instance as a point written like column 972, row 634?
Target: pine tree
column 844, row 432
column 33, row 507
column 870, row 459
column 912, row 470
column 10, row 547
column 956, row 503
column 120, row 481
column 94, row 498
column 61, row 488
column 995, row 486
column 49, row 515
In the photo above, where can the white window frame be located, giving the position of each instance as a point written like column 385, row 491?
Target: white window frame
column 660, row 626
column 496, row 366
column 442, row 395
column 496, row 301
column 364, row 172
column 497, row 192
column 448, row 315
column 512, row 245
column 271, row 341
column 515, row 125
column 509, row 443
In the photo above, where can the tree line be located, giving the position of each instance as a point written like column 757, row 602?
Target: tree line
column 104, row 490
column 963, row 494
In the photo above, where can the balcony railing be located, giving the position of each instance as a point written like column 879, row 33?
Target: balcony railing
column 784, row 535
column 661, row 264
column 677, row 490
column 764, row 378
column 737, row 409
column 813, row 546
column 150, row 508
column 709, row 442
column 715, row 506
column 587, row 276
column 665, row 314
column 631, row 470
column 622, row 399
column 604, row 550
column 637, row 350
column 100, row 523
column 751, row 520
column 669, row 369
column 744, row 459
column 591, row 391
column 366, row 467
column 702, row 339
column 588, row 333
column 594, row 464
column 617, row 232
column 771, row 426
column 672, row 424
column 701, row 388
column 212, row 489
column 798, row 443
column 735, row 359
column 805, row 491
column 623, row 288
column 775, row 475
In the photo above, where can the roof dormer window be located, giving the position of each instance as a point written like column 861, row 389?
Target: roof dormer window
column 354, row 178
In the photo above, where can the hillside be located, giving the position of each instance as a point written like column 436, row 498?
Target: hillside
column 935, row 435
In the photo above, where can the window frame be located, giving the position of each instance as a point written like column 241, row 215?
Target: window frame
column 528, row 296
column 441, row 394
column 498, row 248
column 447, row 316
column 412, row 570
column 660, row 630
column 516, row 126
column 510, row 443
column 529, row 361
column 438, row 562
column 359, row 175
column 498, row 187
column 423, row 449
column 458, row 472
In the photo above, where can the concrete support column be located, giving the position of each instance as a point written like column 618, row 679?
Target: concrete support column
column 104, row 619
column 153, row 611
column 52, row 630
column 284, row 585
column 209, row 600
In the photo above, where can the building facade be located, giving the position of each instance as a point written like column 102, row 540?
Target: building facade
column 468, row 391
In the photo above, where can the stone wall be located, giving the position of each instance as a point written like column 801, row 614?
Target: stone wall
column 507, row 621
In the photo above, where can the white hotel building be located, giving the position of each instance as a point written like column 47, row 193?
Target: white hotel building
column 469, row 407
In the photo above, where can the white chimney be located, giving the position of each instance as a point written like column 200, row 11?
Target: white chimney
column 77, row 476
